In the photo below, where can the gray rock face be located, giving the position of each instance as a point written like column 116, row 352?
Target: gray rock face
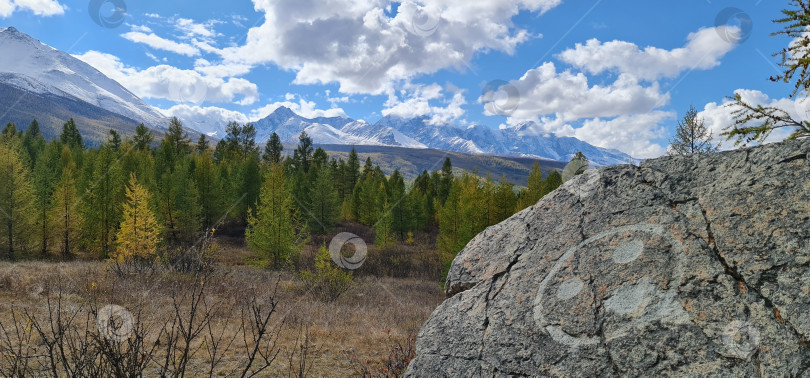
column 685, row 266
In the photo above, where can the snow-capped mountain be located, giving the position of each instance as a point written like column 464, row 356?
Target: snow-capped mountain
column 520, row 140
column 37, row 70
column 329, row 130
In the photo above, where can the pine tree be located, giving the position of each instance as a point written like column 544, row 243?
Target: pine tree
column 473, row 206
column 33, row 129
column 139, row 234
column 274, row 231
column 416, row 203
column 114, row 141
column 324, row 203
column 247, row 141
column 352, row 173
column 202, row 145
column 369, row 197
column 33, row 142
column 143, row 138
column 16, row 202
column 303, row 153
column 177, row 138
column 424, row 197
column 140, row 162
column 273, row 149
column 70, row 135
column 319, row 158
column 755, row 122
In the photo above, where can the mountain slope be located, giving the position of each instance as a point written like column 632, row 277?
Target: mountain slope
column 51, row 85
column 412, row 161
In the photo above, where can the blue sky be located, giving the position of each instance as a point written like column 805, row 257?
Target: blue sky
column 614, row 73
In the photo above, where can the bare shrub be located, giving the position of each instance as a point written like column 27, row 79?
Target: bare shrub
column 392, row 364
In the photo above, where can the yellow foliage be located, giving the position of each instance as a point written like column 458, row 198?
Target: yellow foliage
column 139, row 234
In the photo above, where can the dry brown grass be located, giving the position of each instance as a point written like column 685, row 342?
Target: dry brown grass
column 360, row 326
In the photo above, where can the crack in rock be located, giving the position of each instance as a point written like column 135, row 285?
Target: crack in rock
column 733, row 273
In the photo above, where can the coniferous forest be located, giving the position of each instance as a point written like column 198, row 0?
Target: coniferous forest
column 145, row 197
column 212, row 257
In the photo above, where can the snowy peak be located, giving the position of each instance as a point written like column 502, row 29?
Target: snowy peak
column 12, row 32
column 32, row 66
column 329, row 130
column 283, row 112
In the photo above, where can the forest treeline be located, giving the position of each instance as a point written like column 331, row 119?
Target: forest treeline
column 138, row 197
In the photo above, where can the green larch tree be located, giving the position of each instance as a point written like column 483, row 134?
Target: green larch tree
column 756, row 122
column 324, row 202
column 65, row 218
column 102, row 202
column 505, row 200
column 274, row 229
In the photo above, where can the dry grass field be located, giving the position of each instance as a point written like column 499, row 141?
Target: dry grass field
column 49, row 314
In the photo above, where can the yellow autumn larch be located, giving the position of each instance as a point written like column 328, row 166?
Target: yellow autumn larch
column 140, row 234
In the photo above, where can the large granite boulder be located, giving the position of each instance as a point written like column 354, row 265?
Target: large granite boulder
column 683, row 266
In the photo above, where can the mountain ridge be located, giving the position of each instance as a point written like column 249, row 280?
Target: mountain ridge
column 418, row 132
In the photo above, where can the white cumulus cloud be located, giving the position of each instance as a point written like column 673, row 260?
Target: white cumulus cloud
column 544, row 90
column 365, row 48
column 416, row 102
column 703, row 50
column 210, row 120
column 625, row 114
column 37, row 7
column 171, row 83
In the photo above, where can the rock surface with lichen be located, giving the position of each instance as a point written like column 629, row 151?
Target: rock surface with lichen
column 682, row 266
